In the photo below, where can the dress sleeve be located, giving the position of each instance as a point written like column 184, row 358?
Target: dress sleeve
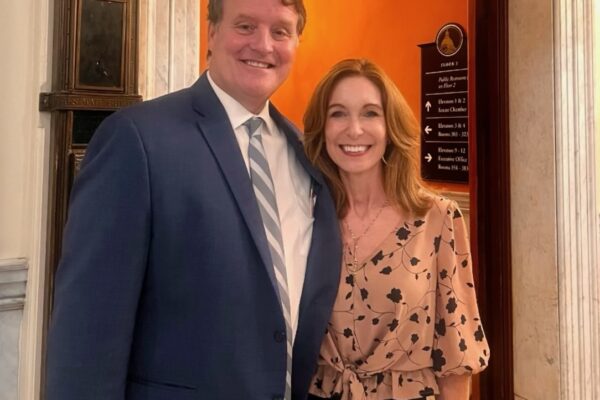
column 459, row 345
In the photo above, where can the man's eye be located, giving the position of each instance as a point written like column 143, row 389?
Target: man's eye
column 281, row 34
column 245, row 28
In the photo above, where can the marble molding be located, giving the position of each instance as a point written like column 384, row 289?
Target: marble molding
column 536, row 348
column 578, row 232
column 169, row 45
column 13, row 278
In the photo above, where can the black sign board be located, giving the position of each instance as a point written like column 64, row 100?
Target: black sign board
column 444, row 107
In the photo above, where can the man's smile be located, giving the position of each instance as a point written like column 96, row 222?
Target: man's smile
column 258, row 64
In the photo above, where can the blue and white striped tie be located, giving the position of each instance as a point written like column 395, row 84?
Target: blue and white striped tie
column 265, row 196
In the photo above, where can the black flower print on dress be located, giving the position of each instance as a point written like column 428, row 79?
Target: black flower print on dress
column 406, row 315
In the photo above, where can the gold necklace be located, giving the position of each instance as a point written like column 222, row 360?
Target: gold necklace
column 355, row 240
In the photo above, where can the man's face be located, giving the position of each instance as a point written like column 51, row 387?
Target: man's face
column 252, row 49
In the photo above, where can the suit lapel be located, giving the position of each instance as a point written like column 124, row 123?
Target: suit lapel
column 293, row 140
column 215, row 127
column 217, row 131
column 321, row 237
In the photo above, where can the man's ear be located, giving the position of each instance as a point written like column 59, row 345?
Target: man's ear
column 212, row 30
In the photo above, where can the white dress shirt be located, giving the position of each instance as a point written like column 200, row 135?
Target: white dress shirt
column 292, row 191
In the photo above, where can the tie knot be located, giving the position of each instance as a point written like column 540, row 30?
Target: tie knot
column 252, row 125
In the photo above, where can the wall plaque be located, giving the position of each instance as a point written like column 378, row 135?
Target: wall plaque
column 444, row 107
column 101, row 45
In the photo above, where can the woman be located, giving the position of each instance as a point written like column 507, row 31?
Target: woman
column 405, row 323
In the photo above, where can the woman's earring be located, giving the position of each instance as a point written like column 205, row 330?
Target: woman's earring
column 384, row 153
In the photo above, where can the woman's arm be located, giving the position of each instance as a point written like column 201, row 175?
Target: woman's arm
column 454, row 387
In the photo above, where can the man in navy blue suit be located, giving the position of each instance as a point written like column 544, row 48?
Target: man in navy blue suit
column 167, row 288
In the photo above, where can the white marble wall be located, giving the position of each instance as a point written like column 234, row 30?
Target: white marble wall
column 13, row 277
column 25, row 40
column 533, row 201
column 596, row 50
column 555, row 227
column 169, row 32
column 578, row 233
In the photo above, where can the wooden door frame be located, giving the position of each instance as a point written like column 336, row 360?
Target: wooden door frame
column 490, row 184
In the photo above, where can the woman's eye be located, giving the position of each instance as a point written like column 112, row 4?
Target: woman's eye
column 371, row 113
column 336, row 114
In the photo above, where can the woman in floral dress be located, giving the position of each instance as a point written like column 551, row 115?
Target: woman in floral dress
column 405, row 323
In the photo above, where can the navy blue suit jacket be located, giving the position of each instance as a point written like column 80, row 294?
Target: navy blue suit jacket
column 165, row 289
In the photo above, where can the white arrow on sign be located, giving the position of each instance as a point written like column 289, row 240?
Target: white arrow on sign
column 427, row 129
column 428, row 157
column 428, row 106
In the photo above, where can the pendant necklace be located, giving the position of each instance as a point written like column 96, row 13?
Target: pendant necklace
column 355, row 239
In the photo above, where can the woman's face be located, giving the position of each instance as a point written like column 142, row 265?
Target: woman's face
column 355, row 132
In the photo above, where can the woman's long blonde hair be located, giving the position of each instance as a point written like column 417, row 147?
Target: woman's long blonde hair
column 401, row 179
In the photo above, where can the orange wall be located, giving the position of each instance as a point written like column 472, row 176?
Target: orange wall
column 385, row 31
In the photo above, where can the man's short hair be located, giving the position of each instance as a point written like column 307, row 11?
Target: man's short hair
column 215, row 12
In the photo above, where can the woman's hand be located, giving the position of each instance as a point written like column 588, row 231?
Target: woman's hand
column 454, row 387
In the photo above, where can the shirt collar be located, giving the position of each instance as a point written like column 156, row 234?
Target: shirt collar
column 237, row 113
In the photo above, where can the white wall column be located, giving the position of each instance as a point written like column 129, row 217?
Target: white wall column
column 25, row 41
column 13, row 278
column 169, row 45
column 554, row 195
column 578, row 220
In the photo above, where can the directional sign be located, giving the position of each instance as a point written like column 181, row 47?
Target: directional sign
column 444, row 106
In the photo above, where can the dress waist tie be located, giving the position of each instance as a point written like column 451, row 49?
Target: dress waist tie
column 352, row 387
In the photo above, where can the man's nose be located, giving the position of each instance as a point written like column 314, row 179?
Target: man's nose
column 262, row 41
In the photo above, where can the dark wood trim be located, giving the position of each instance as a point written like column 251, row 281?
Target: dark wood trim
column 473, row 182
column 55, row 222
column 492, row 194
column 67, row 98
column 61, row 101
column 473, row 208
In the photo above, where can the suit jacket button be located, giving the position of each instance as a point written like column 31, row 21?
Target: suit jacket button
column 279, row 336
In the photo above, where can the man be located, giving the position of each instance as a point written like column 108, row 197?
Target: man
column 170, row 285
